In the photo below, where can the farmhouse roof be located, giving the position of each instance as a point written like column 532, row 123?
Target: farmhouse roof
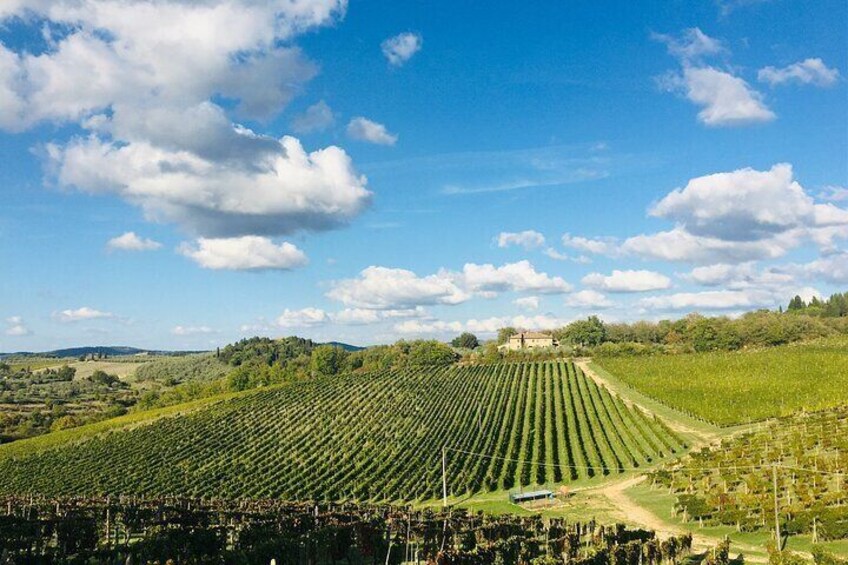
column 532, row 335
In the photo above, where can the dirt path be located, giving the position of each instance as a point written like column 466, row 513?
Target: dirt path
column 644, row 518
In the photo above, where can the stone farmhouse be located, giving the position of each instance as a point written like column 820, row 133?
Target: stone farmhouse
column 528, row 340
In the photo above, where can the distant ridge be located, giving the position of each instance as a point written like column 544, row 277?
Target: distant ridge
column 110, row 350
column 345, row 346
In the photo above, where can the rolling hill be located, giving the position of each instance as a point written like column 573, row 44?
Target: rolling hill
column 375, row 436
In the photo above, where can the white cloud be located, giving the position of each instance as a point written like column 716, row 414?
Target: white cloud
column 679, row 245
column 746, row 205
column 692, row 44
column 595, row 246
column 317, row 117
column 192, row 330
column 740, row 276
column 835, row 193
column 527, row 239
column 248, row 253
column 527, row 302
column 154, row 133
column 628, row 281
column 809, row 71
column 726, row 100
column 487, row 326
column 400, row 48
column 517, row 277
column 833, row 268
column 555, row 255
column 364, row 129
column 81, row 314
column 303, row 318
column 710, row 300
column 132, row 242
column 286, row 190
column 357, row 316
column 15, row 327
column 588, row 299
column 383, row 288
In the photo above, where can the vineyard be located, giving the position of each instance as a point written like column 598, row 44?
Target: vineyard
column 127, row 530
column 804, row 459
column 728, row 388
column 376, row 437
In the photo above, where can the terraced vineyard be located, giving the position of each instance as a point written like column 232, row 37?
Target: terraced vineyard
column 376, row 436
column 734, row 483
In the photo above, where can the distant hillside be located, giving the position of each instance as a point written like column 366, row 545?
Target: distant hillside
column 345, row 346
column 109, row 350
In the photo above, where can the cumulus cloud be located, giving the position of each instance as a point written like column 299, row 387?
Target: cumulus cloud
column 517, row 277
column 725, row 99
column 191, row 330
column 132, row 242
column 245, row 253
column 364, row 129
column 588, row 299
column 733, row 217
column 317, row 117
column 710, row 300
column 746, row 205
column 81, row 314
column 527, row 239
column 486, row 326
column 303, row 318
column 595, row 246
column 288, row 190
column 383, row 288
column 628, row 281
column 400, row 48
column 832, row 268
column 527, row 302
column 679, row 245
column 740, row 276
column 357, row 316
column 154, row 132
column 809, row 71
column 15, row 327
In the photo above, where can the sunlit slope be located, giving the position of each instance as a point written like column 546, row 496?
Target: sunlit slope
column 372, row 436
column 737, row 387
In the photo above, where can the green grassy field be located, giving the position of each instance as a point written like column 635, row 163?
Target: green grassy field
column 373, row 436
column 730, row 388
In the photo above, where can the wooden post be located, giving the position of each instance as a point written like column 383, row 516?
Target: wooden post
column 444, row 479
column 776, row 514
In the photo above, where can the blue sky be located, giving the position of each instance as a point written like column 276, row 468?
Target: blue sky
column 183, row 174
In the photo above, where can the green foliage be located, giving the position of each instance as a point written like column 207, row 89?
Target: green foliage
column 465, row 340
column 729, row 388
column 588, row 332
column 374, row 436
column 328, row 360
column 103, row 378
column 174, row 370
column 266, row 351
column 504, row 333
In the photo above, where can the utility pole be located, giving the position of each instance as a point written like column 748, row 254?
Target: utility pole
column 776, row 515
column 444, row 479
